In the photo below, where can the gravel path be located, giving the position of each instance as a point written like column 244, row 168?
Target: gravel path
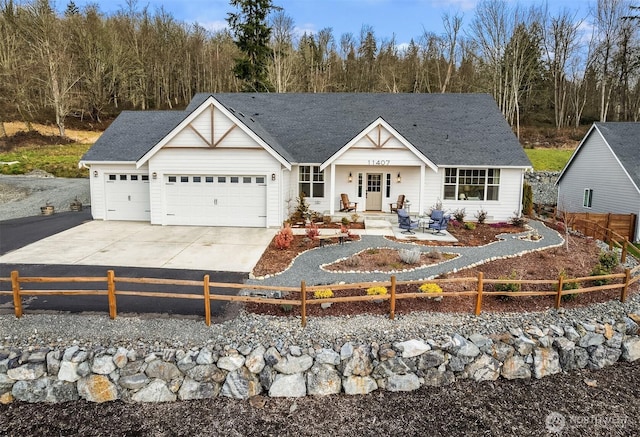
column 22, row 196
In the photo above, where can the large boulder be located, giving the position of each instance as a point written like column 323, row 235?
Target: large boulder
column 156, row 391
column 323, row 379
column 289, row 386
column 97, row 388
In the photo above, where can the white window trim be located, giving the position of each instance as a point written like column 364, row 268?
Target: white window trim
column 457, row 183
column 587, row 198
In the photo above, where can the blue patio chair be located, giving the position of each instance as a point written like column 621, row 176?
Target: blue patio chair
column 405, row 222
column 439, row 223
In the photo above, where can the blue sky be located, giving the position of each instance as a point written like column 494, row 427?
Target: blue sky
column 405, row 19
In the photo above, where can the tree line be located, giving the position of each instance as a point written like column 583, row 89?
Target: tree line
column 542, row 68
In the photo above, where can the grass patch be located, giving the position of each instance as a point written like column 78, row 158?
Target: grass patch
column 548, row 159
column 59, row 160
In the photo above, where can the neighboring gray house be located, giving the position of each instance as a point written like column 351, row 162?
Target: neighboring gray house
column 242, row 159
column 603, row 174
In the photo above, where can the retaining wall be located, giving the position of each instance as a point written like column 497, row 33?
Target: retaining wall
column 108, row 373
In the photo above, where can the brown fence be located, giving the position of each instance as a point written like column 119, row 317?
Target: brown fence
column 622, row 224
column 110, row 281
column 596, row 230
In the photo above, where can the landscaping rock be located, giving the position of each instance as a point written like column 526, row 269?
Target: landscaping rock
column 631, row 349
column 97, row 388
column 359, row 385
column 241, row 384
column 288, row 386
column 192, row 389
column 323, row 379
column 412, row 348
column 291, row 365
column 156, row 391
column 514, row 367
column 545, row 362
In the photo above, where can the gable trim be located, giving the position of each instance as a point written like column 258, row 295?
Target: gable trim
column 378, row 124
column 186, row 122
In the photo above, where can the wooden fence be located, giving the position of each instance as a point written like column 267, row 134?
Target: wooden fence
column 110, row 281
column 623, row 225
column 610, row 236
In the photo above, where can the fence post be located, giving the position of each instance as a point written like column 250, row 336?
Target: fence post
column 303, row 307
column 207, row 301
column 559, row 294
column 479, row 295
column 111, row 292
column 625, row 289
column 623, row 254
column 392, row 310
column 17, row 300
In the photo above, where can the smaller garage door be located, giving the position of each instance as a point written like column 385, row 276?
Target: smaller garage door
column 216, row 200
column 127, row 197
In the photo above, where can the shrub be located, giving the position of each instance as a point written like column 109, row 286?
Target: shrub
column 409, row 256
column 387, row 258
column 353, row 261
column 345, row 221
column 481, row 215
column 600, row 270
column 286, row 307
column 312, row 230
column 568, row 285
column 323, row 294
column 430, row 287
column 518, row 220
column 527, row 199
column 354, row 217
column 459, row 214
column 376, row 291
column 470, row 226
column 508, row 286
column 608, row 260
column 434, row 254
column 284, row 237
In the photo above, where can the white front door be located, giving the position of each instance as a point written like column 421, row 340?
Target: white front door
column 216, row 200
column 374, row 192
column 127, row 197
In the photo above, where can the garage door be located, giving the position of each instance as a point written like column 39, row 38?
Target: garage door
column 216, row 200
column 127, row 197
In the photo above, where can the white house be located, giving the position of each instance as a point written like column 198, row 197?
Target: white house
column 242, row 159
column 603, row 174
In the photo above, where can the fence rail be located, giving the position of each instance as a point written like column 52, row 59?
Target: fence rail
column 300, row 294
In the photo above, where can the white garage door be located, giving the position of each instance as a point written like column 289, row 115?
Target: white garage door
column 216, row 200
column 127, row 197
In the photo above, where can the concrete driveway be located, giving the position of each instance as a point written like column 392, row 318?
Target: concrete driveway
column 138, row 244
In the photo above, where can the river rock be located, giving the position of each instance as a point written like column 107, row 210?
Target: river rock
column 97, row 388
column 323, row 379
column 156, row 391
column 514, row 367
column 241, row 384
column 359, row 385
column 631, row 349
column 192, row 389
column 412, row 348
column 545, row 362
column 288, row 386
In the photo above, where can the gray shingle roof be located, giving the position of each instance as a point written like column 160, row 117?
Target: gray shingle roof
column 624, row 140
column 449, row 129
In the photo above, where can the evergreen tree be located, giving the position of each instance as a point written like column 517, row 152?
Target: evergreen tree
column 252, row 35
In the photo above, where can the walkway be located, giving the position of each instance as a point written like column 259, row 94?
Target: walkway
column 306, row 265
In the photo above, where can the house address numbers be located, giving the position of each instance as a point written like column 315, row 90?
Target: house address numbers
column 379, row 162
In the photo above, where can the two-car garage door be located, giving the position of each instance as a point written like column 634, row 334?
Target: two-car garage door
column 215, row 200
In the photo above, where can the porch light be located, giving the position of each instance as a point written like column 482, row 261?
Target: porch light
column 154, row 175
column 399, row 179
column 273, row 176
column 350, row 177
column 95, row 173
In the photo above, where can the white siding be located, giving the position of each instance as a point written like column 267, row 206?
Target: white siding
column 215, row 161
column 97, row 184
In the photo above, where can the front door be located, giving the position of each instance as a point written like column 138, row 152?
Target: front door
column 374, row 192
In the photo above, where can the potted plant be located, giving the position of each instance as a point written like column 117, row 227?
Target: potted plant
column 76, row 205
column 431, row 291
column 326, row 293
column 48, row 209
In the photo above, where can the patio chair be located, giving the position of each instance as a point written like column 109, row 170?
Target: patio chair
column 405, row 222
column 439, row 223
column 345, row 205
column 398, row 205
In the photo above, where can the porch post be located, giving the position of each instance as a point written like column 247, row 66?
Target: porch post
column 422, row 190
column 332, row 190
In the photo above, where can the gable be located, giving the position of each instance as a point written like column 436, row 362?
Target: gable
column 212, row 125
column 379, row 137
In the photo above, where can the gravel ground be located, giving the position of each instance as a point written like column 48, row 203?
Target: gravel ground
column 22, row 196
column 499, row 408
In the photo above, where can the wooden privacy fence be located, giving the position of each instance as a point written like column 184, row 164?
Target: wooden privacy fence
column 625, row 280
column 624, row 225
column 608, row 235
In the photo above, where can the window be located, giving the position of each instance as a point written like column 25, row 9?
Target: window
column 234, row 179
column 311, row 180
column 184, row 178
column 246, row 180
column 197, row 179
column 260, row 180
column 123, row 177
column 208, row 179
column 134, row 177
column 222, row 179
column 388, row 187
column 112, row 177
column 172, row 178
column 359, row 184
column 471, row 183
column 588, row 197
column 145, row 177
